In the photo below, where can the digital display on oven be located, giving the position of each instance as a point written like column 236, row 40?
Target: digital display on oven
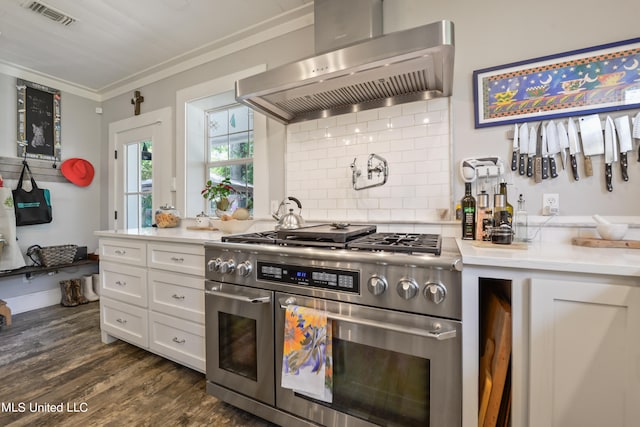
column 325, row 278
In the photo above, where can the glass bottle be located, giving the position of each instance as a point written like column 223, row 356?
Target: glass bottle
column 468, row 204
column 502, row 232
column 520, row 221
column 484, row 217
column 508, row 206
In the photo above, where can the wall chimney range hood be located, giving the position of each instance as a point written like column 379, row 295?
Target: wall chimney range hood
column 395, row 68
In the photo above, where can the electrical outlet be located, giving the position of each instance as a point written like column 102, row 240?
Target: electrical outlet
column 550, row 204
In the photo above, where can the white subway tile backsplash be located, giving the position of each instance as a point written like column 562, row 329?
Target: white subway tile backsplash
column 346, row 119
column 320, row 152
column 414, row 108
column 367, row 115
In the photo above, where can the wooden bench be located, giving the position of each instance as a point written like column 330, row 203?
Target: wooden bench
column 6, row 312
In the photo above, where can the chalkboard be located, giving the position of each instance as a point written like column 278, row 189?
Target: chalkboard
column 38, row 121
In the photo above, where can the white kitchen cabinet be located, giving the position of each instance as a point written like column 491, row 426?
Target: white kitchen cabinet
column 584, row 354
column 124, row 283
column 177, row 339
column 153, row 297
column 123, row 321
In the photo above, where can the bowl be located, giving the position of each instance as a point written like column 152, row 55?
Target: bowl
column 232, row 226
column 612, row 231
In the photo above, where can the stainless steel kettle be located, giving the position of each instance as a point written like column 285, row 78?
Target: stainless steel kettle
column 290, row 220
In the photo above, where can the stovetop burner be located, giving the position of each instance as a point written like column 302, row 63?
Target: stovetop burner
column 399, row 242
column 388, row 242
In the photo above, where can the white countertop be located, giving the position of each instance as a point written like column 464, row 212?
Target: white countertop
column 554, row 256
column 173, row 235
column 540, row 255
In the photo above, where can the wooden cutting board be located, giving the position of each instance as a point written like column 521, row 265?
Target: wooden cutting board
column 193, row 227
column 593, row 242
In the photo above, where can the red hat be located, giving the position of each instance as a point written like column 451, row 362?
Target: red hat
column 78, row 171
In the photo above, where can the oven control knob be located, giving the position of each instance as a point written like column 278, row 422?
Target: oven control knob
column 435, row 292
column 214, row 264
column 228, row 266
column 244, row 268
column 407, row 288
column 377, row 284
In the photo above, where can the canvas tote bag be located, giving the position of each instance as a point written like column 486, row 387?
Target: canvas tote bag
column 32, row 207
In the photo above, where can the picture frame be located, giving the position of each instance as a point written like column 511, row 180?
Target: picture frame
column 580, row 82
column 39, row 121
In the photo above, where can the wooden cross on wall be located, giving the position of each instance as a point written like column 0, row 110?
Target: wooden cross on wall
column 136, row 101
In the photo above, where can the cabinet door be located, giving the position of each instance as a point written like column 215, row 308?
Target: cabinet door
column 124, row 321
column 585, row 354
column 178, row 339
column 126, row 251
column 187, row 259
column 124, row 282
column 177, row 294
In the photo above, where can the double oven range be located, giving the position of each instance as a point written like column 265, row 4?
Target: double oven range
column 394, row 303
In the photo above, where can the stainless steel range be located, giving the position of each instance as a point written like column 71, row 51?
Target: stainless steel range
column 394, row 303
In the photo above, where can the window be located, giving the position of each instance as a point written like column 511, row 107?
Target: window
column 138, row 185
column 229, row 135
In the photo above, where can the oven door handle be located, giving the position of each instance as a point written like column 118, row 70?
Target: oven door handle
column 437, row 334
column 243, row 298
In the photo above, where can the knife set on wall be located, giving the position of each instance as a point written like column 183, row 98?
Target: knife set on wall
column 536, row 144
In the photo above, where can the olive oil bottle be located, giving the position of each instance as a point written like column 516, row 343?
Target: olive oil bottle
column 468, row 204
column 508, row 206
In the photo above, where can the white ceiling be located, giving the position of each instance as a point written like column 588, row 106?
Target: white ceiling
column 117, row 40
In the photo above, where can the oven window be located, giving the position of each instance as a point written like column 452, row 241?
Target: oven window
column 384, row 387
column 238, row 345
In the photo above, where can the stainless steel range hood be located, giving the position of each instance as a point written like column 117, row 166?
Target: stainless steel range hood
column 404, row 66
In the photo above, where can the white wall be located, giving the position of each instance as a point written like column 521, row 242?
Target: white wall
column 75, row 216
column 498, row 32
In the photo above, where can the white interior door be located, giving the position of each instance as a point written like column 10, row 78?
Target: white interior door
column 140, row 168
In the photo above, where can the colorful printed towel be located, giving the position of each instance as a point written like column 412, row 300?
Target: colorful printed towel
column 307, row 355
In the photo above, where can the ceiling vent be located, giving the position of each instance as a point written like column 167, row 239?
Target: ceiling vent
column 51, row 13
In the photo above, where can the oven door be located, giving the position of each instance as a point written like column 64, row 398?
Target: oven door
column 389, row 368
column 239, row 339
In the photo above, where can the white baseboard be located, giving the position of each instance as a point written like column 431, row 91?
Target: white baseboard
column 29, row 302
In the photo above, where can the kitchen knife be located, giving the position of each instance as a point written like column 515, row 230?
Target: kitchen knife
column 537, row 159
column 626, row 144
column 609, row 150
column 636, row 131
column 574, row 147
column 514, row 156
column 544, row 172
column 563, row 142
column 592, row 142
column 533, row 136
column 524, row 146
column 553, row 146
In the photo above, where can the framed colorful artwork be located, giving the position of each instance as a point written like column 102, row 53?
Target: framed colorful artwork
column 586, row 81
column 38, row 133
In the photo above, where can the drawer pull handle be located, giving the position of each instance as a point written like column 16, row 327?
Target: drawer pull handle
column 176, row 259
column 120, row 252
column 177, row 341
column 119, row 283
column 180, row 297
column 121, row 321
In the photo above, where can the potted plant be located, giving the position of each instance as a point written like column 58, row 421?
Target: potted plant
column 219, row 193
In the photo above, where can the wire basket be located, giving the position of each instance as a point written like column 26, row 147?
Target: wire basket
column 50, row 256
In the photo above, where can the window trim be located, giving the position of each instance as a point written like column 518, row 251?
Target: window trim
column 187, row 186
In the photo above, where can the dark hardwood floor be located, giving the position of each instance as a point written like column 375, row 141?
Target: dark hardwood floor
column 53, row 357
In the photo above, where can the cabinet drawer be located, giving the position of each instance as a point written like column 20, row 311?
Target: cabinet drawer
column 187, row 259
column 124, row 283
column 123, row 251
column 178, row 339
column 124, row 321
column 177, row 295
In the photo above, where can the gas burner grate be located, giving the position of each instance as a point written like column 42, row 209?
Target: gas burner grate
column 268, row 237
column 399, row 242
